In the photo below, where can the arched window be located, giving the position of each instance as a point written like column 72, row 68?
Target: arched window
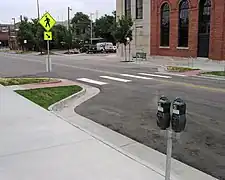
column 165, row 25
column 183, row 24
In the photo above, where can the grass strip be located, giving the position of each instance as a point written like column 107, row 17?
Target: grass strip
column 48, row 96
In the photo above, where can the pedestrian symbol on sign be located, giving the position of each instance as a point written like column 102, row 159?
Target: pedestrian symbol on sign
column 47, row 20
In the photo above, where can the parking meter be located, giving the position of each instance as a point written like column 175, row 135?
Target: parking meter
column 178, row 115
column 163, row 114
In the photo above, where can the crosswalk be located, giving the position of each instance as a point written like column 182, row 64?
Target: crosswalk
column 91, row 81
column 115, row 79
column 127, row 78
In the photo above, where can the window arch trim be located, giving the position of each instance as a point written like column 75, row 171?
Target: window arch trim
column 183, row 23
column 165, row 24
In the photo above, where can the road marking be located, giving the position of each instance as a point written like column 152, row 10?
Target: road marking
column 172, row 74
column 133, row 76
column 155, row 75
column 115, row 79
column 91, row 81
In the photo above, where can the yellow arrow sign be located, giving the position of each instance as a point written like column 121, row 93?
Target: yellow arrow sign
column 47, row 21
column 47, row 36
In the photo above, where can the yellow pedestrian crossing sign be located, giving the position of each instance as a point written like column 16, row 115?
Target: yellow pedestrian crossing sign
column 47, row 36
column 47, row 21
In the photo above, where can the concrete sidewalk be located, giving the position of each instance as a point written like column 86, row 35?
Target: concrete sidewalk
column 35, row 144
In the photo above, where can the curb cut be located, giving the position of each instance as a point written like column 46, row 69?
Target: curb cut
column 62, row 103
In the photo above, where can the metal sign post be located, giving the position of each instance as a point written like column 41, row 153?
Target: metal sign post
column 48, row 58
column 47, row 21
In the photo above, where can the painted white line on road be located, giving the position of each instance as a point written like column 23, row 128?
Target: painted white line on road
column 172, row 74
column 91, row 81
column 115, row 79
column 133, row 76
column 155, row 75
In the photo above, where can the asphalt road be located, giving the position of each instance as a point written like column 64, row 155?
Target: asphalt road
column 130, row 107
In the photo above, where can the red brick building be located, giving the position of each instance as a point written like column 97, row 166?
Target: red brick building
column 187, row 28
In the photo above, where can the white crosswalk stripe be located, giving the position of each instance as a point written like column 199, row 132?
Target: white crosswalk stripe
column 138, row 77
column 115, row 79
column 155, row 75
column 91, row 81
column 171, row 74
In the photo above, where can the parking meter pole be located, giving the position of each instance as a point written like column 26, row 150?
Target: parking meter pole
column 168, row 154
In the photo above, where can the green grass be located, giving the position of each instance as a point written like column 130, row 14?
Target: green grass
column 215, row 73
column 179, row 69
column 48, row 96
column 20, row 81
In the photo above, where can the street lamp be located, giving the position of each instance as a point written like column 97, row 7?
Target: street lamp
column 38, row 9
column 91, row 27
column 69, row 9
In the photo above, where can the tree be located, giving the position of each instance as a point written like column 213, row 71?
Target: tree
column 123, row 30
column 25, row 33
column 59, row 33
column 38, row 32
column 104, row 27
column 81, row 26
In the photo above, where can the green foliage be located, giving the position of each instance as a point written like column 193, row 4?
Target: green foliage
column 179, row 69
column 19, row 81
column 104, row 27
column 81, row 26
column 48, row 96
column 215, row 73
column 123, row 29
column 32, row 32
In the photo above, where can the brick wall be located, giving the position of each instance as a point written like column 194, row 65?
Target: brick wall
column 217, row 31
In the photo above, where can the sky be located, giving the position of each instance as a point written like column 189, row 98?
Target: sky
column 57, row 8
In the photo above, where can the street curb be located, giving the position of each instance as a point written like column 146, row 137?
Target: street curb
column 211, row 77
column 62, row 103
column 116, row 148
column 157, row 169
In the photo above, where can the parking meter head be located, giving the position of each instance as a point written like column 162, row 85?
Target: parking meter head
column 178, row 115
column 163, row 113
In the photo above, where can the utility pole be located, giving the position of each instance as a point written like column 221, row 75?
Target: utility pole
column 69, row 9
column 14, row 22
column 38, row 9
column 96, row 15
column 91, row 27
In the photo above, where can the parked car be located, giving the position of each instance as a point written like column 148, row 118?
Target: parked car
column 92, row 49
column 106, row 47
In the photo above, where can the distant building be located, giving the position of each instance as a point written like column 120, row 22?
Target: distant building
column 139, row 10
column 8, row 36
column 4, row 35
